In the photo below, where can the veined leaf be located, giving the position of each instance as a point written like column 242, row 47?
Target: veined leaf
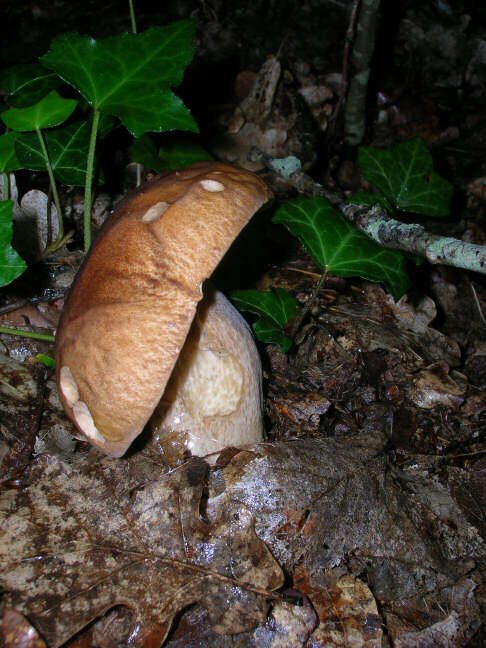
column 27, row 83
column 11, row 265
column 50, row 111
column 338, row 247
column 266, row 331
column 277, row 306
column 406, row 176
column 8, row 158
column 130, row 75
column 67, row 147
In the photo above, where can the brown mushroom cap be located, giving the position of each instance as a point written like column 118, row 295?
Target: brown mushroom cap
column 131, row 306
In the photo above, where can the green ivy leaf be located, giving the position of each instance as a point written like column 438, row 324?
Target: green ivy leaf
column 406, row 176
column 130, row 75
column 277, row 306
column 27, row 83
column 11, row 265
column 67, row 148
column 363, row 198
column 266, row 331
column 338, row 247
column 46, row 113
column 8, row 158
column 173, row 154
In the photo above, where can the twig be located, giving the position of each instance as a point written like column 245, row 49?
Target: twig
column 478, row 304
column 413, row 238
column 310, row 302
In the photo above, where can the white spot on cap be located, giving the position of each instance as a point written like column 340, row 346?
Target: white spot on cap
column 83, row 418
column 212, row 185
column 68, row 386
column 155, row 212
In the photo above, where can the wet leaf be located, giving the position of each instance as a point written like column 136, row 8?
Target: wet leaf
column 17, row 632
column 130, row 75
column 27, row 83
column 335, row 507
column 104, row 535
column 338, row 247
column 405, row 175
column 11, row 265
column 46, row 113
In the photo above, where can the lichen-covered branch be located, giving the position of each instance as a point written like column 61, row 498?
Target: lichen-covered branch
column 364, row 44
column 415, row 239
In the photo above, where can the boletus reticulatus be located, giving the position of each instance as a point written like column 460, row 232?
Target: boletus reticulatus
column 136, row 309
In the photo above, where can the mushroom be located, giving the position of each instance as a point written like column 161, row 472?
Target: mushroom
column 133, row 304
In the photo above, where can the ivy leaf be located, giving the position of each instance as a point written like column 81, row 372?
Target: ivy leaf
column 266, row 331
column 48, row 112
column 27, row 83
column 130, row 75
column 67, row 148
column 11, row 265
column 8, row 158
column 338, row 247
column 277, row 306
column 173, row 154
column 406, row 176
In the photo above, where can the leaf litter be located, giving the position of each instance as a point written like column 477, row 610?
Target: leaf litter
column 89, row 539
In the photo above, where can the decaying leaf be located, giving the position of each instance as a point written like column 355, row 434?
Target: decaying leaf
column 78, row 542
column 336, row 508
column 16, row 632
column 347, row 612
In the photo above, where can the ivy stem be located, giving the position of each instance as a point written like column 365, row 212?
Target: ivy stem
column 27, row 334
column 57, row 244
column 52, row 180
column 132, row 17
column 89, row 179
column 6, row 186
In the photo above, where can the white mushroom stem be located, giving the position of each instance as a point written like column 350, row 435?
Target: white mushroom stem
column 214, row 396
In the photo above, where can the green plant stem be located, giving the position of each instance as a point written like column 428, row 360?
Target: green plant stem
column 89, row 180
column 6, row 186
column 57, row 244
column 27, row 334
column 52, row 180
column 132, row 16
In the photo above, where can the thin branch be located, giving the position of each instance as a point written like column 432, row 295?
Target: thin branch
column 413, row 238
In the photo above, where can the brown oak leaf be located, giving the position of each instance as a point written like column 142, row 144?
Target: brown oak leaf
column 79, row 541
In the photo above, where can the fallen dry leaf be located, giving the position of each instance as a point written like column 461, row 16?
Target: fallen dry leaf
column 79, row 541
column 337, row 507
